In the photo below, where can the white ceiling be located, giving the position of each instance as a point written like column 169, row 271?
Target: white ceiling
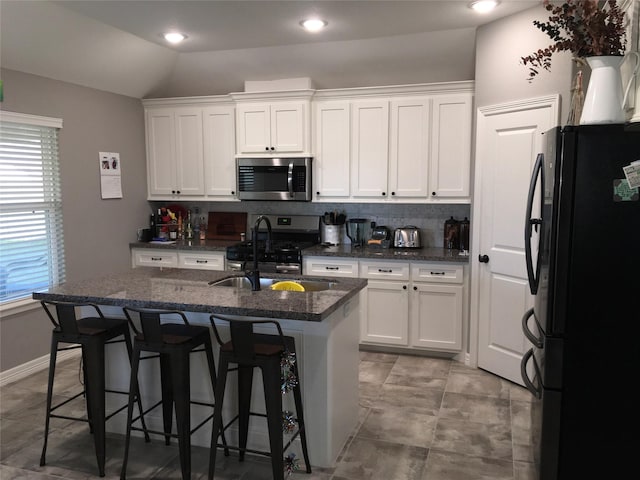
column 116, row 45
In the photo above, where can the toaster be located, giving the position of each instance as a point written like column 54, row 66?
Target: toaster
column 407, row 237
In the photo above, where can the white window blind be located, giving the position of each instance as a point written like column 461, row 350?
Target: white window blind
column 31, row 239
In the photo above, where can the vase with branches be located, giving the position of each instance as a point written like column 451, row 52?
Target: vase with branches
column 585, row 28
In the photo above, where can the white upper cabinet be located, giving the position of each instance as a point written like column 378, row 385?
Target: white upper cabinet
column 219, row 151
column 409, row 148
column 369, row 148
column 175, row 159
column 272, row 128
column 451, row 146
column 332, row 147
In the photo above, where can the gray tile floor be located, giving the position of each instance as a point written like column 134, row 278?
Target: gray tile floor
column 420, row 419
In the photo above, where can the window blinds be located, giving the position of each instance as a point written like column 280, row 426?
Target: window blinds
column 31, row 234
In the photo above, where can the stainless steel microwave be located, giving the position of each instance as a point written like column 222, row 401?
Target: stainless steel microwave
column 274, row 178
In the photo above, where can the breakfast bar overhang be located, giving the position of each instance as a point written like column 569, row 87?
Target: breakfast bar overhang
column 324, row 323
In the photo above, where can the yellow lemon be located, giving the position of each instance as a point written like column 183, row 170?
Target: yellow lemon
column 288, row 285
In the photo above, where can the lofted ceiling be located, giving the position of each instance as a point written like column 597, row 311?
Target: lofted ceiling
column 116, row 45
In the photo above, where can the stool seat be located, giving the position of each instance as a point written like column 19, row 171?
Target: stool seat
column 91, row 334
column 271, row 354
column 174, row 343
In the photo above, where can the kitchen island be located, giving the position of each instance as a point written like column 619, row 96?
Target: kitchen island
column 325, row 325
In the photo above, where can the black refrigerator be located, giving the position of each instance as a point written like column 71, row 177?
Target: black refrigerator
column 582, row 238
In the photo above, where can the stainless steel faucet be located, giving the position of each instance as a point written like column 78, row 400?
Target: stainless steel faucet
column 254, row 275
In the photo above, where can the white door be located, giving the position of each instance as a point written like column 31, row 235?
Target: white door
column 508, row 139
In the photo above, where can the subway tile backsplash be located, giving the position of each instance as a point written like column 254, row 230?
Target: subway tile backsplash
column 429, row 218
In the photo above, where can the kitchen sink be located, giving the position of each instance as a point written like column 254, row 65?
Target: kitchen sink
column 265, row 283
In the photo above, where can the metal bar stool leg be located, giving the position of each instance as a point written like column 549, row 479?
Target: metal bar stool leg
column 52, row 370
column 133, row 388
column 94, row 358
column 208, row 348
column 167, row 395
column 217, row 428
column 273, row 403
column 245, row 383
column 182, row 398
column 127, row 338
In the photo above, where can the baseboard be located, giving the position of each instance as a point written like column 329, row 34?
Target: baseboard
column 33, row 366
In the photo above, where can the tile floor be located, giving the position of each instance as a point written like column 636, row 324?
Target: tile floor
column 420, row 419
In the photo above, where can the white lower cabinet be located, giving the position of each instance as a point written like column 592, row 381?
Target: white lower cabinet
column 147, row 257
column 201, row 260
column 330, row 267
column 413, row 305
column 436, row 316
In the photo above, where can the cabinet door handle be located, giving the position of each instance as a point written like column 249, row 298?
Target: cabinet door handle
column 332, row 268
column 415, row 288
column 273, row 148
column 393, row 193
column 266, row 148
column 404, row 287
column 385, row 270
column 384, row 194
column 202, row 261
column 233, row 192
column 173, row 191
column 178, row 192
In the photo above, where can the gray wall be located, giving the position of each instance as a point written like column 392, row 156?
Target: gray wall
column 500, row 77
column 97, row 232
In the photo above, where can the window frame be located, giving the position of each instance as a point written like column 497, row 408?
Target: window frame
column 24, row 304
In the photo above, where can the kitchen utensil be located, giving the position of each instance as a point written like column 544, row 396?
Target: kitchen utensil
column 356, row 231
column 330, row 234
column 407, row 237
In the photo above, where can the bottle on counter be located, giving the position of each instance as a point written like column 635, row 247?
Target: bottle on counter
column 464, row 236
column 203, row 229
column 180, row 226
column 188, row 229
column 452, row 234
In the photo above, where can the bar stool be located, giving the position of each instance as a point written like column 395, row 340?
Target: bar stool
column 173, row 343
column 249, row 350
column 91, row 334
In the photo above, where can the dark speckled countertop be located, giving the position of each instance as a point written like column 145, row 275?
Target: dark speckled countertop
column 428, row 254
column 189, row 291
column 204, row 245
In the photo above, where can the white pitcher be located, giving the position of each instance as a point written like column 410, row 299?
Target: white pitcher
column 604, row 101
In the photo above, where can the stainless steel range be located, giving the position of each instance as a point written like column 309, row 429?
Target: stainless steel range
column 290, row 234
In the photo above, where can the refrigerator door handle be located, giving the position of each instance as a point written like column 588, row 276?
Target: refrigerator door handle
column 535, row 391
column 538, row 173
column 536, row 341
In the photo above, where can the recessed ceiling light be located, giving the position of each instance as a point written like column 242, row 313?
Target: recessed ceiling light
column 484, row 6
column 313, row 24
column 174, row 37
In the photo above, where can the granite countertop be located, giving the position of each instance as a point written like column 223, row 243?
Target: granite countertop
column 203, row 245
column 377, row 253
column 189, row 291
column 429, row 254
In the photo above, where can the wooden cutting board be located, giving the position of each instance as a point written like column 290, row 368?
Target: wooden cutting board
column 226, row 225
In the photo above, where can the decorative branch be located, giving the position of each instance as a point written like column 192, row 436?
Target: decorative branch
column 584, row 27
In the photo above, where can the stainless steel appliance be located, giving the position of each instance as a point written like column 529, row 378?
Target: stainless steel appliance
column 274, row 179
column 582, row 233
column 407, row 237
column 290, row 234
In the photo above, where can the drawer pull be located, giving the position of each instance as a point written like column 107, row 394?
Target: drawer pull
column 332, row 268
column 202, row 261
column 385, row 270
column 156, row 259
column 437, row 273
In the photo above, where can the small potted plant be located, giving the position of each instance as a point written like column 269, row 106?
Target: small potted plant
column 594, row 31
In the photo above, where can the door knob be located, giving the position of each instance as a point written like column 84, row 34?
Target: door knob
column 483, row 258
